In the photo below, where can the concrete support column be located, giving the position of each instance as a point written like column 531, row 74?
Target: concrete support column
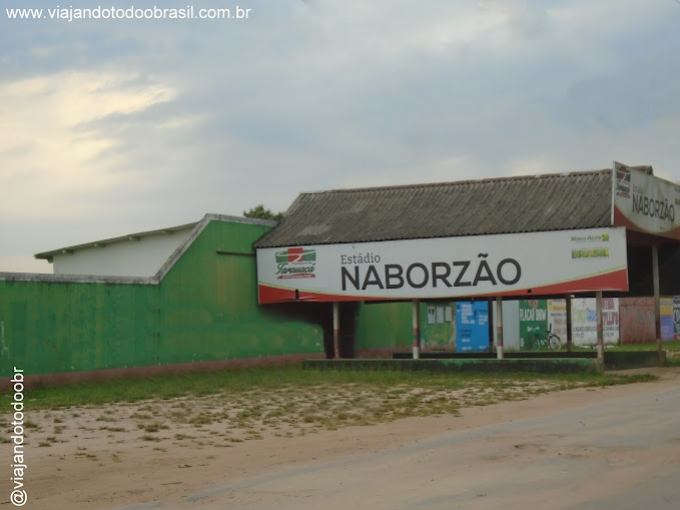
column 657, row 297
column 336, row 330
column 416, row 328
column 499, row 327
column 600, row 337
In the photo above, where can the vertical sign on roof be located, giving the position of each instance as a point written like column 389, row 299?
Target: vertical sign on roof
column 645, row 203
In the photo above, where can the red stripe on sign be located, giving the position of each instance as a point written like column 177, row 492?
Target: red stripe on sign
column 267, row 295
column 617, row 280
column 620, row 220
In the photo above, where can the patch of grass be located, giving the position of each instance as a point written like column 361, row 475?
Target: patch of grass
column 255, row 389
column 114, row 429
column 153, row 427
column 201, row 419
column 148, row 437
column 141, row 416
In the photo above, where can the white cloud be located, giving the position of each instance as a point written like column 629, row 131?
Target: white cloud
column 113, row 128
column 48, row 152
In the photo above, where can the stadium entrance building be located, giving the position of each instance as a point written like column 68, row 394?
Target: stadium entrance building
column 613, row 232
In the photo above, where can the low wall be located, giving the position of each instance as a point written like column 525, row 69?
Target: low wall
column 492, row 355
column 620, row 360
column 613, row 360
column 540, row 366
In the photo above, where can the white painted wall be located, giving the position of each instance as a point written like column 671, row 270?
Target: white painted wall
column 510, row 325
column 125, row 258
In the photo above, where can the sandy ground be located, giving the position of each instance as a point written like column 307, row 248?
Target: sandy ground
column 135, row 456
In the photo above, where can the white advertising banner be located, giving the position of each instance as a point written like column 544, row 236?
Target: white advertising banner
column 539, row 263
column 557, row 317
column 645, row 203
column 584, row 321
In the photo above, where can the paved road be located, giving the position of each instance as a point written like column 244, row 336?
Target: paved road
column 615, row 455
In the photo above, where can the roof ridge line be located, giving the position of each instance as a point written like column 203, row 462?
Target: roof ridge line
column 458, row 183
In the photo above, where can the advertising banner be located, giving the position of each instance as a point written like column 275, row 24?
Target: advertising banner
column 667, row 318
column 645, row 203
column 676, row 316
column 472, row 326
column 500, row 265
column 584, row 321
column 557, row 318
column 533, row 319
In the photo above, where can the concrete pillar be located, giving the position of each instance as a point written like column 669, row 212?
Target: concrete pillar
column 336, row 330
column 416, row 328
column 600, row 337
column 657, row 297
column 499, row 327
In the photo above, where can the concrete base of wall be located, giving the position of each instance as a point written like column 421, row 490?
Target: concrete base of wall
column 621, row 360
column 492, row 355
column 543, row 366
column 380, row 352
column 613, row 360
column 46, row 380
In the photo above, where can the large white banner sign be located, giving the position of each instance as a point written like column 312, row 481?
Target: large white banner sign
column 540, row 263
column 645, row 203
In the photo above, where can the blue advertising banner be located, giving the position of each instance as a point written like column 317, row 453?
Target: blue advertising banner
column 667, row 319
column 472, row 326
column 676, row 316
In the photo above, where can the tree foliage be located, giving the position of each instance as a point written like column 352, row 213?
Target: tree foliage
column 261, row 213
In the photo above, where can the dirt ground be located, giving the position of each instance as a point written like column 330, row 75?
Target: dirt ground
column 123, row 455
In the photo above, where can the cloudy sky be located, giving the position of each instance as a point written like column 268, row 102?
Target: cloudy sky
column 109, row 127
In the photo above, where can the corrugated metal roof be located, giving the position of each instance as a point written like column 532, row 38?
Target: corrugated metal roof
column 489, row 206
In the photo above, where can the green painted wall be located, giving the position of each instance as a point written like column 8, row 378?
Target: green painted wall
column 205, row 309
column 384, row 325
column 62, row 327
column 209, row 303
